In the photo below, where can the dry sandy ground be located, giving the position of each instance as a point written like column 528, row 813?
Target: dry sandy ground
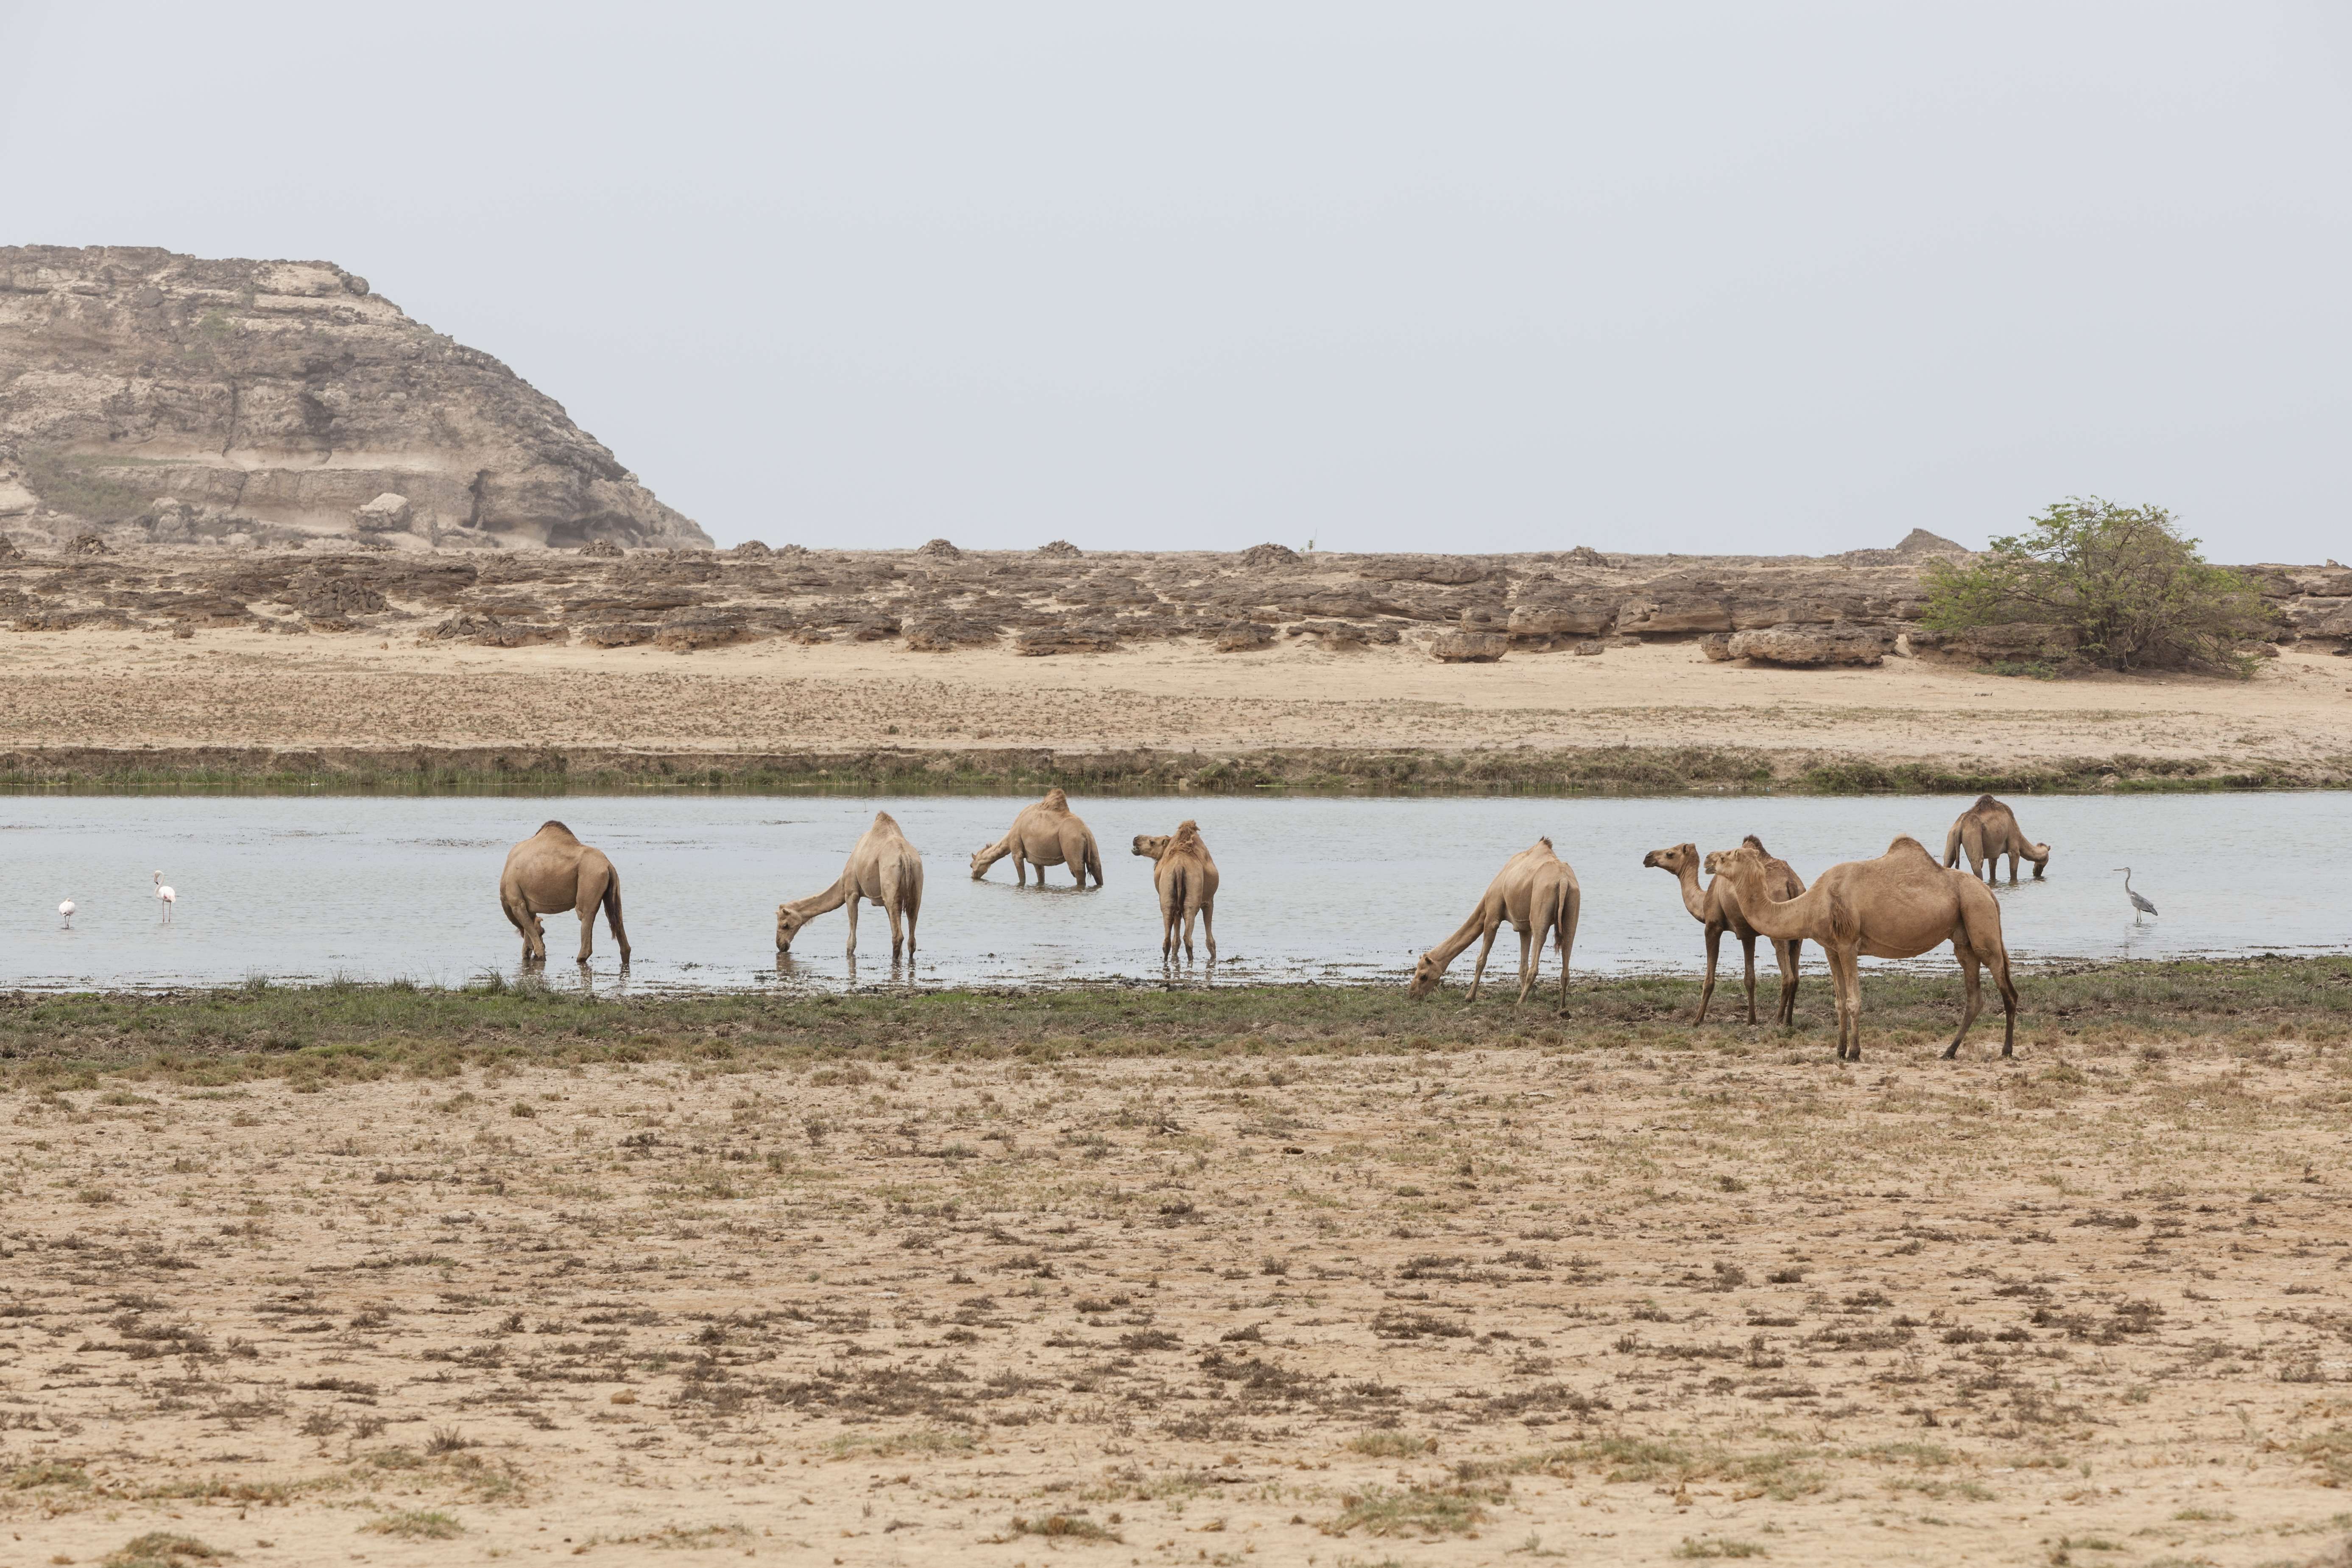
column 1480, row 1307
column 250, row 688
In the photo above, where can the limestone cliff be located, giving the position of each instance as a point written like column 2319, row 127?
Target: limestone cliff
column 145, row 395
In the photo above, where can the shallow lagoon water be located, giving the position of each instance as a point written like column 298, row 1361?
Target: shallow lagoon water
column 1331, row 888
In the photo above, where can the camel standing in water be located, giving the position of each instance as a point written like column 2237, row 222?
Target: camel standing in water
column 1717, row 907
column 552, row 871
column 1046, row 834
column 1987, row 831
column 883, row 869
column 1187, row 881
column 1898, row 906
column 1538, row 894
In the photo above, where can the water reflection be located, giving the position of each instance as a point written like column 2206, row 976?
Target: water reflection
column 1334, row 889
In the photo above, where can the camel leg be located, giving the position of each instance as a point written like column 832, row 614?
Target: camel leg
column 1748, row 945
column 1485, row 947
column 890, row 908
column 613, row 915
column 1786, row 952
column 1020, row 870
column 1209, row 929
column 1854, row 1006
column 1996, row 958
column 2013, row 868
column 1192, row 913
column 1967, row 957
column 590, row 897
column 1530, row 956
column 1706, row 987
column 851, row 906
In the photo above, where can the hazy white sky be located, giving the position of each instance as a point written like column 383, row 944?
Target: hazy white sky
column 1702, row 277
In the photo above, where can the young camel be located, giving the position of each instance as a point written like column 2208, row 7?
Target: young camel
column 1046, row 834
column 1987, row 831
column 1717, row 909
column 1187, row 880
column 883, row 869
column 1898, row 906
column 1538, row 894
column 551, row 871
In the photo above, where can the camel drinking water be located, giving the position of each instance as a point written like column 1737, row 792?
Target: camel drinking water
column 884, row 870
column 1898, row 906
column 1987, row 831
column 1717, row 907
column 553, row 871
column 1045, row 834
column 1538, row 894
column 1187, row 882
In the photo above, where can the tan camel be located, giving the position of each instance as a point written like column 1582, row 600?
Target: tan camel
column 1187, row 880
column 884, row 870
column 1898, row 906
column 1538, row 894
column 1046, row 834
column 1717, row 907
column 1987, row 831
column 552, row 871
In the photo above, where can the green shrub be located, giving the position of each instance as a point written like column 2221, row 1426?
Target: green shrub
column 2134, row 592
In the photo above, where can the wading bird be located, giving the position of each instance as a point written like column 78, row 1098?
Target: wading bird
column 2142, row 905
column 66, row 909
column 164, row 896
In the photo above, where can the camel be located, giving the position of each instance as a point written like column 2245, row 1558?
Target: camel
column 1046, row 834
column 1987, row 831
column 1187, row 880
column 1538, row 894
column 1898, row 906
column 1717, row 909
column 884, row 869
column 552, row 871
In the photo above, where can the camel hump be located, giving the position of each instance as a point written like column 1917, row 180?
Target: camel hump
column 1757, row 845
column 884, row 819
column 558, row 827
column 1986, row 803
column 1187, row 832
column 1055, row 800
column 1903, row 841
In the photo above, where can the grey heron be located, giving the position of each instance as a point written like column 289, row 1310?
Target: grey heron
column 2142, row 905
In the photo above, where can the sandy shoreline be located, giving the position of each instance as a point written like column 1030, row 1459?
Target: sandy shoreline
column 127, row 693
column 1457, row 1306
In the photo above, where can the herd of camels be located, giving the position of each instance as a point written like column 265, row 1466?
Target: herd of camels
column 1900, row 905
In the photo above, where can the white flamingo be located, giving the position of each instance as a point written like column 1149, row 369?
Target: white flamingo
column 165, row 896
column 66, row 909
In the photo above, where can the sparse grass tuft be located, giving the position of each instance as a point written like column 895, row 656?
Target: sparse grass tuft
column 419, row 1524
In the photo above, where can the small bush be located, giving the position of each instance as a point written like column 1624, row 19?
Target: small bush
column 162, row 1549
column 2123, row 582
column 419, row 1524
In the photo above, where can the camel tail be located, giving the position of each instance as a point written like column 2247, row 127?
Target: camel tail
column 1094, row 859
column 613, row 906
column 1952, row 845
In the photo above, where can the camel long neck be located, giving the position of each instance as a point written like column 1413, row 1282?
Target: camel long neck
column 1449, row 949
column 817, row 904
column 1694, row 900
column 995, row 852
column 1774, row 918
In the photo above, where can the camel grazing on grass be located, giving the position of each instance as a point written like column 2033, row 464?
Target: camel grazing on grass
column 883, row 869
column 1898, row 906
column 1538, row 894
column 1717, row 907
column 1187, row 880
column 552, row 871
column 1987, row 831
column 1046, row 834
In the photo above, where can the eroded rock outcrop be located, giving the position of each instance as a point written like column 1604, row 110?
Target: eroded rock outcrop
column 185, row 401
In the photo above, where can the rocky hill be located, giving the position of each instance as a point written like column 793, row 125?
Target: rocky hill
column 150, row 396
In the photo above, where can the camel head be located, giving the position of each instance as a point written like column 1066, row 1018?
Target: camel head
column 2040, row 856
column 1428, row 975
column 981, row 859
column 1152, row 845
column 789, row 922
column 1675, row 859
column 1731, row 862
